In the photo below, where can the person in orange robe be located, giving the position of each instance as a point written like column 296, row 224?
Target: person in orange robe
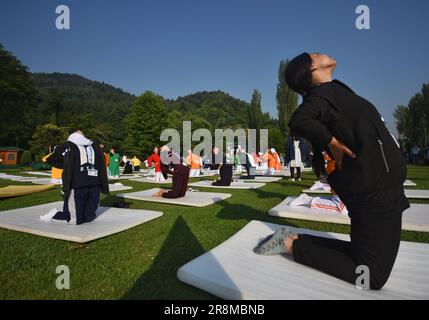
column 271, row 162
column 106, row 156
column 194, row 162
column 278, row 165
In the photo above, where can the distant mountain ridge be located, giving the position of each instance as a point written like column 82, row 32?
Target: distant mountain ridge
column 111, row 105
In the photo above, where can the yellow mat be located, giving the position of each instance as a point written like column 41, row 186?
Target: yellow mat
column 15, row 191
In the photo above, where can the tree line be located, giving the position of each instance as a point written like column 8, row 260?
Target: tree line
column 39, row 111
column 412, row 120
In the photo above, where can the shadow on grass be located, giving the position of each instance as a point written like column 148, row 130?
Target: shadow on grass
column 180, row 247
column 114, row 201
column 295, row 184
column 244, row 212
column 268, row 194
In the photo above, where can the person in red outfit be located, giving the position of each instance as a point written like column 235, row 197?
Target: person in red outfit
column 155, row 161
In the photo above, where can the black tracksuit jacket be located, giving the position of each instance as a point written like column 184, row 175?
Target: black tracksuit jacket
column 72, row 164
column 376, row 175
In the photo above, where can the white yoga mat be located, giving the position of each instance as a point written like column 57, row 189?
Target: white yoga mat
column 233, row 271
column 39, row 173
column 108, row 222
column 125, row 176
column 234, row 185
column 409, row 193
column 415, row 218
column 150, row 180
column 409, row 183
column 275, row 174
column 416, row 194
column 261, row 179
column 318, row 191
column 192, row 199
column 17, row 178
column 118, row 187
column 48, row 181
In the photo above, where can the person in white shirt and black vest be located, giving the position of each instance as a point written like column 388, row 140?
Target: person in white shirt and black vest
column 84, row 177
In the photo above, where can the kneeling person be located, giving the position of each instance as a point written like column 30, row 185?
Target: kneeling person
column 84, row 177
column 180, row 174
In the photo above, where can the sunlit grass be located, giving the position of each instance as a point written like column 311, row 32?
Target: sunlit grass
column 142, row 262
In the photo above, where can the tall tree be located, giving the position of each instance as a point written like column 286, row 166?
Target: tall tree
column 256, row 117
column 287, row 100
column 45, row 138
column 55, row 105
column 145, row 123
column 18, row 101
column 255, row 111
column 412, row 121
column 402, row 118
column 276, row 140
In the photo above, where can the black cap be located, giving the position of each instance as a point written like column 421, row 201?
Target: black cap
column 298, row 73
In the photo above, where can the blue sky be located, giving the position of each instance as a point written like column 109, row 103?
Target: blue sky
column 179, row 47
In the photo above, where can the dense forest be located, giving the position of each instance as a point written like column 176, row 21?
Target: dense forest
column 69, row 100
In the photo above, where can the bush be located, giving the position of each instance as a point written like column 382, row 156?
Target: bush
column 40, row 166
column 26, row 157
column 46, row 137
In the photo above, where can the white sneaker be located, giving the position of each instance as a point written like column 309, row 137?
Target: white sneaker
column 48, row 217
column 293, row 179
column 299, row 179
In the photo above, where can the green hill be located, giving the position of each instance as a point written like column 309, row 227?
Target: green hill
column 70, row 100
column 82, row 103
column 217, row 108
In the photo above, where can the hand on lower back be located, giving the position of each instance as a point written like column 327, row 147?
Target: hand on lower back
column 338, row 150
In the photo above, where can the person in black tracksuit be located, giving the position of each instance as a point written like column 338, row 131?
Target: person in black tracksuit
column 128, row 168
column 225, row 170
column 84, row 176
column 368, row 178
column 56, row 159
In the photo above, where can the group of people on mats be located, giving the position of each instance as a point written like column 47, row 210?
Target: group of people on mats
column 365, row 169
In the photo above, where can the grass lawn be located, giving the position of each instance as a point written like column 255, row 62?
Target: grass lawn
column 141, row 263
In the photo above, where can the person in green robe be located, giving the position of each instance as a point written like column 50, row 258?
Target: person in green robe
column 114, row 163
column 237, row 162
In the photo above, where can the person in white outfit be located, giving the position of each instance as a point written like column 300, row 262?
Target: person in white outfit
column 296, row 155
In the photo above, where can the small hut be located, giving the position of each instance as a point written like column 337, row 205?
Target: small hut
column 10, row 156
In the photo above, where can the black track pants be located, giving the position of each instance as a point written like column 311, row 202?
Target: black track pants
column 375, row 238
